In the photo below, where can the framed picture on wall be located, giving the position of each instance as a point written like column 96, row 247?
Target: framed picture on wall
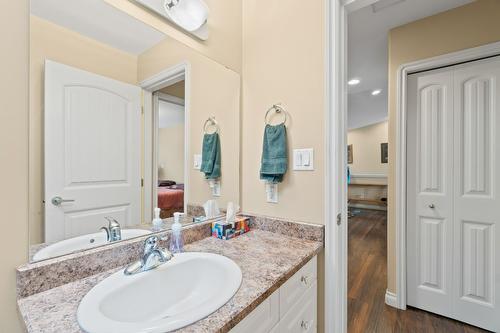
column 349, row 154
column 384, row 152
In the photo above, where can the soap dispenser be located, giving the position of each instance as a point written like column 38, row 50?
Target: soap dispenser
column 157, row 221
column 177, row 241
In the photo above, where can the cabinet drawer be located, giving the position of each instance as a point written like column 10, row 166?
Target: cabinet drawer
column 302, row 317
column 263, row 318
column 293, row 289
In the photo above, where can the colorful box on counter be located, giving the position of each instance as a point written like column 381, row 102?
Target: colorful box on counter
column 223, row 230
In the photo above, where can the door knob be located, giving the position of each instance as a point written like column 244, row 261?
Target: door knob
column 431, row 206
column 57, row 201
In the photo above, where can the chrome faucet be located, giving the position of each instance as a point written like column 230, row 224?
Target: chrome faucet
column 153, row 257
column 113, row 231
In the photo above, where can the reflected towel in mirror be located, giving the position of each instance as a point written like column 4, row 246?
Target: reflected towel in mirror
column 211, row 156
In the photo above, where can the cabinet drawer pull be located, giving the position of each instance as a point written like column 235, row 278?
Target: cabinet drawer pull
column 305, row 280
column 305, row 325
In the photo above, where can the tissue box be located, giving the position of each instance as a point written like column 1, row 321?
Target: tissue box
column 223, row 230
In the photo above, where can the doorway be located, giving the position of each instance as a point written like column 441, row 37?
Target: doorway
column 396, row 296
column 169, row 149
column 166, row 98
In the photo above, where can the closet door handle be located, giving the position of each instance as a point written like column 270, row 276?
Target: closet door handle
column 431, row 206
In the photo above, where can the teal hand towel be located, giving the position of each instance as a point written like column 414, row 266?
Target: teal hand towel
column 274, row 160
column 210, row 158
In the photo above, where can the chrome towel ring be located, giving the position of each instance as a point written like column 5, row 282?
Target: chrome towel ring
column 210, row 122
column 278, row 109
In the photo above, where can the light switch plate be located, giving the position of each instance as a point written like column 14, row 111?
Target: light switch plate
column 272, row 192
column 197, row 161
column 303, row 159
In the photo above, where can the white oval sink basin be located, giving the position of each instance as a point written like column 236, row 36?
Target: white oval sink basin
column 83, row 242
column 178, row 293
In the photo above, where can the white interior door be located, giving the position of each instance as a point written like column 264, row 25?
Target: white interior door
column 477, row 194
column 92, row 151
column 453, row 264
column 429, row 186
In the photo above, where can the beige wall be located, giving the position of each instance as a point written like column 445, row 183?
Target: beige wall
column 366, row 152
column 461, row 28
column 50, row 41
column 214, row 90
column 14, row 35
column 171, row 153
column 224, row 23
column 283, row 61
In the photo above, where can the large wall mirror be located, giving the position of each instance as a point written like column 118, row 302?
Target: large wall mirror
column 117, row 115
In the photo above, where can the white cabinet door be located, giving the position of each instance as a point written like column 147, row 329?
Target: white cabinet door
column 263, row 318
column 429, row 186
column 477, row 194
column 92, row 151
column 453, row 221
column 293, row 289
column 302, row 317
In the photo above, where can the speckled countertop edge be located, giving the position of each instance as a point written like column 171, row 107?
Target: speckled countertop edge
column 266, row 259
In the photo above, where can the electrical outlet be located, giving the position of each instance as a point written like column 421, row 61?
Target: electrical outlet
column 272, row 192
column 197, row 161
column 216, row 188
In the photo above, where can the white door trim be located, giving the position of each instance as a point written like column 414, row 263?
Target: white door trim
column 167, row 77
column 400, row 144
column 335, row 166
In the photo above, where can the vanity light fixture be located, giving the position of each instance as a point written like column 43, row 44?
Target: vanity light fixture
column 376, row 92
column 353, row 82
column 188, row 14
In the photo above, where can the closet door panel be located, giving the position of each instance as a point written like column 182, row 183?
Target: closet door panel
column 429, row 214
column 476, row 197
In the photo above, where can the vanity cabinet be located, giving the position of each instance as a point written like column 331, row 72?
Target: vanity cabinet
column 291, row 308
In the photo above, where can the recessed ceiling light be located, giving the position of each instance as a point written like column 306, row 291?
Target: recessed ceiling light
column 353, row 82
column 376, row 92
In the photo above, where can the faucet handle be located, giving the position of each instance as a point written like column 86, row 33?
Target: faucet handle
column 112, row 223
column 151, row 243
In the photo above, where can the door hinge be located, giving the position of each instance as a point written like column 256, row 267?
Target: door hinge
column 339, row 218
column 142, row 182
column 142, row 109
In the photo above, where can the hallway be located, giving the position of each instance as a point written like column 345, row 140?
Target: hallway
column 367, row 311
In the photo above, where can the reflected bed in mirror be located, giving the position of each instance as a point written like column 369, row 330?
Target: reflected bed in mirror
column 116, row 117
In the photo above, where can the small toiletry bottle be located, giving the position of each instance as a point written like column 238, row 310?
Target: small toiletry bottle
column 177, row 241
column 157, row 221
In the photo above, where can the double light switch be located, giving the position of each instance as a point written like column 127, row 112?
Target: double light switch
column 303, row 159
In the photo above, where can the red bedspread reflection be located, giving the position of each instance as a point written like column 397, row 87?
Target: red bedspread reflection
column 169, row 197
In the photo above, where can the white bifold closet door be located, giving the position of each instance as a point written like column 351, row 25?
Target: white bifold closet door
column 453, row 184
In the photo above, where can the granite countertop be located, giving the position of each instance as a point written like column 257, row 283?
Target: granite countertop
column 266, row 259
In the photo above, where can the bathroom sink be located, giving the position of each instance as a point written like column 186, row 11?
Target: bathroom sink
column 178, row 293
column 83, row 242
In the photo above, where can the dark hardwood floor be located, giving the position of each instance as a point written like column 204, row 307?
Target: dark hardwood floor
column 367, row 311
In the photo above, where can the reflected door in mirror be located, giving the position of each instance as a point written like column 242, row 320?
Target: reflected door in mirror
column 92, row 152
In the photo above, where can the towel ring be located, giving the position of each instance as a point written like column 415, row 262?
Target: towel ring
column 278, row 109
column 210, row 122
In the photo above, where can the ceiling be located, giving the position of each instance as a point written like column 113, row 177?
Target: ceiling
column 100, row 21
column 367, row 53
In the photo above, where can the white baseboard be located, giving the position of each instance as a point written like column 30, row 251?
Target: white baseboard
column 391, row 299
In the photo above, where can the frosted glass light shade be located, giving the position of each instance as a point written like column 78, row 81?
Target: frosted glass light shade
column 189, row 14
